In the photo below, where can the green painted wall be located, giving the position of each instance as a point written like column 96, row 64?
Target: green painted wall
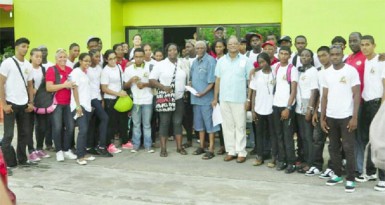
column 5, row 20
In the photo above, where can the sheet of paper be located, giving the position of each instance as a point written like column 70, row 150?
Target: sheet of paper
column 217, row 116
column 191, row 90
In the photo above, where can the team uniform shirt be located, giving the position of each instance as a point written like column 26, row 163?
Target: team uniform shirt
column 321, row 74
column 37, row 77
column 63, row 96
column 373, row 79
column 282, row 87
column 15, row 86
column 70, row 63
column 113, row 78
column 358, row 62
column 94, row 74
column 263, row 84
column 82, row 83
column 164, row 72
column 233, row 74
column 340, row 95
column 141, row 96
column 202, row 74
column 299, row 64
column 307, row 81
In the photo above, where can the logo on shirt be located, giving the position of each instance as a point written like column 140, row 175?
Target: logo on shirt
column 343, row 80
column 358, row 63
column 145, row 74
column 372, row 70
column 284, row 77
column 26, row 72
column 303, row 78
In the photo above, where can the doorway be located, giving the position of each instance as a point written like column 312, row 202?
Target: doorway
column 178, row 35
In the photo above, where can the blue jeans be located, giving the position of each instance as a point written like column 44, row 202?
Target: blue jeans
column 81, row 142
column 62, row 113
column 141, row 114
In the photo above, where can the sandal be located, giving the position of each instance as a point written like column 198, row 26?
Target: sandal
column 163, row 154
column 208, row 155
column 187, row 145
column 181, row 151
column 199, row 151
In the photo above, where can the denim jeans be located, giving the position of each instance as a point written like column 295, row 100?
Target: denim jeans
column 42, row 130
column 141, row 115
column 62, row 114
column 81, row 141
column 284, row 134
column 305, row 130
column 102, row 123
column 23, row 127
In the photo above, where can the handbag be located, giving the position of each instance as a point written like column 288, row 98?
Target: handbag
column 45, row 102
column 165, row 101
column 123, row 104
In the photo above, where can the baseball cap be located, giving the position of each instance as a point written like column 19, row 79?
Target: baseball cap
column 219, row 28
column 284, row 38
column 268, row 43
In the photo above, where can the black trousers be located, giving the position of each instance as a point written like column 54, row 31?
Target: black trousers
column 305, row 130
column 284, row 134
column 341, row 138
column 43, row 130
column 319, row 139
column 262, row 134
column 23, row 128
column 117, row 123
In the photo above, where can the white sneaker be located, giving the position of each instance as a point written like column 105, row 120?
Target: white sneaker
column 312, row 171
column 364, row 178
column 149, row 150
column 380, row 186
column 327, row 174
column 134, row 151
column 89, row 158
column 82, row 161
column 69, row 155
column 59, row 156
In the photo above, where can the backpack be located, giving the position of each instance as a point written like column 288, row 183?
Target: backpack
column 45, row 102
column 288, row 74
column 377, row 138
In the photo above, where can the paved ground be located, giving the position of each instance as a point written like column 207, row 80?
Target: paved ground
column 144, row 178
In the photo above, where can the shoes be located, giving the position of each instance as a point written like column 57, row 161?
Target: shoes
column 199, row 151
column 171, row 138
column 27, row 164
column 258, row 161
column 229, row 158
column 181, row 151
column 42, row 154
column 92, row 151
column 241, row 159
column 113, row 150
column 327, row 174
column 60, row 156
column 253, row 152
column 334, row 180
column 70, row 155
column 312, row 171
column 163, row 153
column 103, row 153
column 134, row 151
column 34, row 157
column 149, row 150
column 290, row 169
column 187, row 144
column 380, row 186
column 128, row 145
column 273, row 163
column 364, row 178
column 81, row 161
column 281, row 166
column 350, row 186
column 89, row 158
column 221, row 151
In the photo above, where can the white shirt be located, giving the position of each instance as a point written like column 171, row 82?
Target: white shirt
column 191, row 60
column 70, row 63
column 307, row 81
column 111, row 78
column 141, row 96
column 83, row 84
column 164, row 71
column 321, row 74
column 340, row 102
column 263, row 84
column 47, row 65
column 15, row 87
column 94, row 74
column 282, row 90
column 317, row 64
column 37, row 76
column 373, row 79
column 252, row 56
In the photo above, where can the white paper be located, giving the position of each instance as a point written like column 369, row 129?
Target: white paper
column 217, row 116
column 191, row 90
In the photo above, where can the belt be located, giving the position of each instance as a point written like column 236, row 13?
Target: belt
column 374, row 101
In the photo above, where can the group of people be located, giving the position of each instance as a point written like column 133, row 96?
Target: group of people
column 301, row 97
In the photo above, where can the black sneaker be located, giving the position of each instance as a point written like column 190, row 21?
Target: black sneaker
column 103, row 153
column 92, row 151
column 290, row 169
column 281, row 166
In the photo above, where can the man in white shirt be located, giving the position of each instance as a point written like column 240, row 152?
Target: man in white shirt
column 254, row 41
column 373, row 91
column 74, row 51
column 16, row 94
column 45, row 63
column 300, row 44
column 136, row 77
column 339, row 110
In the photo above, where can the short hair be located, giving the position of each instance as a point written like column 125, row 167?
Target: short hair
column 137, row 35
column 368, row 37
column 323, row 48
column 285, row 48
column 232, row 37
column 356, row 33
column 336, row 47
column 33, row 50
column 300, row 36
column 116, row 46
column 265, row 57
column 339, row 39
column 201, row 42
column 92, row 52
column 138, row 50
column 168, row 46
column 93, row 39
column 146, row 44
column 158, row 51
column 73, row 45
column 21, row 40
column 59, row 51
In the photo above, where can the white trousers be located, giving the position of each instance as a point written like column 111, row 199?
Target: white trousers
column 234, row 128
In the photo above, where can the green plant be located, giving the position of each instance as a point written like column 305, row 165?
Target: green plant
column 8, row 52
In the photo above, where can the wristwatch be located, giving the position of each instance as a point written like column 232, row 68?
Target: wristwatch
column 288, row 107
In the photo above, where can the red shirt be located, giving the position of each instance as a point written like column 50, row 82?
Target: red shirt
column 123, row 63
column 274, row 61
column 358, row 61
column 211, row 53
column 63, row 96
